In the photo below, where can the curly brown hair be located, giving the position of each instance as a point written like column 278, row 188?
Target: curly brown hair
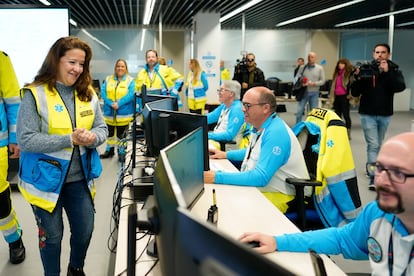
column 49, row 69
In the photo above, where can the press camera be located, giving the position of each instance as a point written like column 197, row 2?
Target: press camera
column 240, row 69
column 369, row 69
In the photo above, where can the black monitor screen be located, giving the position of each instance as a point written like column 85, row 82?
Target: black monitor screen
column 170, row 192
column 187, row 167
column 201, row 249
column 148, row 97
column 168, row 126
column 169, row 103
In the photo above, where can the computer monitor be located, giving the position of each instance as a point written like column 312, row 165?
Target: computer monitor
column 201, row 249
column 149, row 97
column 178, row 181
column 171, row 125
column 169, row 103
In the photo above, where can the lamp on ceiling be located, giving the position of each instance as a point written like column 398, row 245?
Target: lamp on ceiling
column 239, row 10
column 149, row 8
column 405, row 24
column 73, row 22
column 309, row 15
column 45, row 2
column 373, row 17
column 96, row 39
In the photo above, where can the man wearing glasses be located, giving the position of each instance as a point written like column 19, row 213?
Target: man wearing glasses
column 384, row 230
column 228, row 116
column 273, row 154
column 248, row 75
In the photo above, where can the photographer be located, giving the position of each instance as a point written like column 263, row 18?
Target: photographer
column 376, row 84
column 247, row 74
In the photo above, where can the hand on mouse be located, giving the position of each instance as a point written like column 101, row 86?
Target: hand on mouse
column 267, row 243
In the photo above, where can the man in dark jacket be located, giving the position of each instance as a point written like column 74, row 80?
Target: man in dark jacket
column 376, row 83
column 248, row 75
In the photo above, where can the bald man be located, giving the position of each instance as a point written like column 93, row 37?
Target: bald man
column 273, row 154
column 382, row 233
column 315, row 78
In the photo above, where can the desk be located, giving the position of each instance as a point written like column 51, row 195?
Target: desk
column 241, row 209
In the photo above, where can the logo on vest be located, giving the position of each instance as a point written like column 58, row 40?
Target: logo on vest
column 58, row 108
column 374, row 248
column 277, row 150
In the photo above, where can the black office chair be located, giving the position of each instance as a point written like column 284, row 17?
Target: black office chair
column 335, row 200
column 302, row 209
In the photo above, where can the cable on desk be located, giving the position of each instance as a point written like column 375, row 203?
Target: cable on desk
column 116, row 207
column 137, row 260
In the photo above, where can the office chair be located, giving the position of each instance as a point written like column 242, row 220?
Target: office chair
column 328, row 155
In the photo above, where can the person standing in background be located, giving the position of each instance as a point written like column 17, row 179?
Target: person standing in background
column 159, row 79
column 376, row 85
column 339, row 93
column 300, row 61
column 248, row 74
column 118, row 95
column 59, row 127
column 196, row 87
column 314, row 77
column 9, row 106
column 224, row 72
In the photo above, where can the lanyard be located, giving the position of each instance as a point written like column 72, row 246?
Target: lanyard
column 222, row 114
column 253, row 144
column 391, row 258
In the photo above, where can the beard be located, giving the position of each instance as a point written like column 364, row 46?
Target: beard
column 390, row 209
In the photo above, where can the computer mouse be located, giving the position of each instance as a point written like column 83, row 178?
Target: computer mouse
column 252, row 244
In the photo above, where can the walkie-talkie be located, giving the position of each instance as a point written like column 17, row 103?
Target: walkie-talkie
column 212, row 215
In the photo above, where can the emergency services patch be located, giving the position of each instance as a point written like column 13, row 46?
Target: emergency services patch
column 58, row 107
column 374, row 248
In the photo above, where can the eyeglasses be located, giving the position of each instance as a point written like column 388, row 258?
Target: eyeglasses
column 248, row 105
column 222, row 90
column 394, row 175
column 250, row 60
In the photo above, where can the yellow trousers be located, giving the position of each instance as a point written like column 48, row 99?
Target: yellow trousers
column 9, row 226
column 280, row 200
column 194, row 104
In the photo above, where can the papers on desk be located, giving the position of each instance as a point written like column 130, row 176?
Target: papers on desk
column 214, row 166
column 223, row 165
column 217, row 166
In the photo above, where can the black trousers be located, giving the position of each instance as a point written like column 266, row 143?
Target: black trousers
column 341, row 107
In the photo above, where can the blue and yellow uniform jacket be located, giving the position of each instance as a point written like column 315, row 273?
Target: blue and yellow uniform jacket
column 337, row 200
column 164, row 81
column 9, row 101
column 42, row 174
column 122, row 92
column 200, row 87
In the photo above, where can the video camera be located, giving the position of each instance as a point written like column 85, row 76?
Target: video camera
column 241, row 66
column 369, row 69
column 240, row 69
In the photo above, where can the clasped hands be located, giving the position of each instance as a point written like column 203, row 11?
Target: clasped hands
column 83, row 137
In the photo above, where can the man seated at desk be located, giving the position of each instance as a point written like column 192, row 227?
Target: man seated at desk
column 273, row 154
column 383, row 231
column 228, row 116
